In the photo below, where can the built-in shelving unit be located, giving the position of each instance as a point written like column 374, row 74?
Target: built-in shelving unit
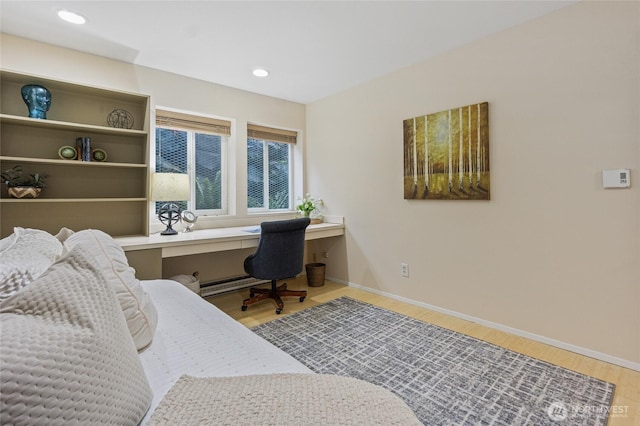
column 110, row 195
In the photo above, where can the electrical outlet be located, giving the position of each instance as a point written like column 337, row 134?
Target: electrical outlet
column 325, row 254
column 404, row 269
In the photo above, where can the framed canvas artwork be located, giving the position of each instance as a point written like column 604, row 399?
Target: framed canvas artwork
column 446, row 155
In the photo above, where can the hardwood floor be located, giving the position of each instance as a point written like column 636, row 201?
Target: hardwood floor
column 626, row 403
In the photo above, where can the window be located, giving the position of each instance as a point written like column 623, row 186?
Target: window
column 269, row 168
column 194, row 145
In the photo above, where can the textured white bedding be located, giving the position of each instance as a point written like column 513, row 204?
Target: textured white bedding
column 196, row 338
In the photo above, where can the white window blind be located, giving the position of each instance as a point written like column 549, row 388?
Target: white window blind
column 192, row 122
column 271, row 134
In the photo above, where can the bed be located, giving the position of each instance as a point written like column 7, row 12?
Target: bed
column 194, row 337
column 84, row 342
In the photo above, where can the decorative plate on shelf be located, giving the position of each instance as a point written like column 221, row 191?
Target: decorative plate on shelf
column 67, row 153
column 99, row 155
column 120, row 119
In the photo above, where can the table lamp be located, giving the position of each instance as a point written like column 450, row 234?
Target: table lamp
column 169, row 187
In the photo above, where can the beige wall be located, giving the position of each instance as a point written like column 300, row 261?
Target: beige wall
column 174, row 91
column 553, row 253
column 165, row 89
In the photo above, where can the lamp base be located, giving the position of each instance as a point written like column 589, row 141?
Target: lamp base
column 169, row 215
column 169, row 231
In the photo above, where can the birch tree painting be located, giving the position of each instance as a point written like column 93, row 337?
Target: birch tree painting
column 446, row 155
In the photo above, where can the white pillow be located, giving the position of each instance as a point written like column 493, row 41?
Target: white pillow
column 138, row 309
column 25, row 255
column 66, row 356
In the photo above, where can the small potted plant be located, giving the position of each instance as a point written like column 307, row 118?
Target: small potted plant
column 20, row 185
column 310, row 207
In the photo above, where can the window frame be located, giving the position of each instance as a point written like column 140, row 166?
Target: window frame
column 225, row 170
column 265, row 168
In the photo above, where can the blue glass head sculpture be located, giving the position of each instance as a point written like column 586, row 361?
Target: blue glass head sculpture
column 38, row 99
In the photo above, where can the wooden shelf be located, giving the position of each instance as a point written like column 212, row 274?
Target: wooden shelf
column 62, row 125
column 69, row 163
column 57, row 84
column 109, row 195
column 71, row 200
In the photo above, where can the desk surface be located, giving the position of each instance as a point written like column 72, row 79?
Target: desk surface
column 205, row 240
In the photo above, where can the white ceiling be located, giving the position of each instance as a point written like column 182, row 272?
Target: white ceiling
column 312, row 48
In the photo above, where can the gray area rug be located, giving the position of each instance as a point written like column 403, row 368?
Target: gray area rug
column 446, row 377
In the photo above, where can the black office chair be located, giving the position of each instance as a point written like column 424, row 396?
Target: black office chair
column 279, row 255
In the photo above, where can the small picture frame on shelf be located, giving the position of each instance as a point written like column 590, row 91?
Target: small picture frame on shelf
column 99, row 155
column 67, row 152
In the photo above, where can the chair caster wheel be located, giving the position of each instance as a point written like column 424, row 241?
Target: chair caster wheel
column 302, row 299
column 278, row 311
column 244, row 308
column 251, row 295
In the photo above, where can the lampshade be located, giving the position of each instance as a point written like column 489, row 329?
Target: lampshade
column 170, row 187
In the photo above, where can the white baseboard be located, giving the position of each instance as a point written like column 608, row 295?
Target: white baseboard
column 542, row 339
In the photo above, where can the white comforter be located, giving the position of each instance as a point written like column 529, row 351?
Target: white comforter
column 196, row 338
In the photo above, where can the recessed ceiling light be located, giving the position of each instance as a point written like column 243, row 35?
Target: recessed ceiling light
column 260, row 72
column 72, row 17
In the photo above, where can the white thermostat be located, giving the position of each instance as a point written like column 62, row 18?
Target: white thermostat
column 616, row 178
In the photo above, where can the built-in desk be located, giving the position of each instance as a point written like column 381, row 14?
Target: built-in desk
column 145, row 254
